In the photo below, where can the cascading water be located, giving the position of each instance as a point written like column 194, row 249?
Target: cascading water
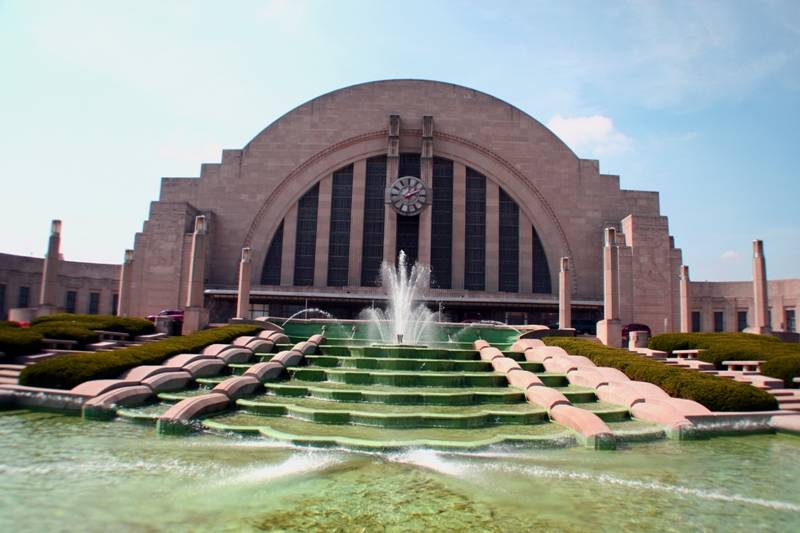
column 404, row 321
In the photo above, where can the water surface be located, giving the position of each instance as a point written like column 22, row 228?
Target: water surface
column 62, row 473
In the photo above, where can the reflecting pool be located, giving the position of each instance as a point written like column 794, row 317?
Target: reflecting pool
column 62, row 473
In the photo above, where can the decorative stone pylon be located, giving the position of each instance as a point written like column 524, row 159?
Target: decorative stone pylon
column 195, row 316
column 48, row 298
column 686, row 321
column 243, row 294
column 125, row 276
column 564, row 301
column 761, row 325
column 609, row 330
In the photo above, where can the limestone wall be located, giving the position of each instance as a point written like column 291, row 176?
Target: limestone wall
column 18, row 271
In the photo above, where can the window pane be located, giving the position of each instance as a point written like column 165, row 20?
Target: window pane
column 306, row 240
column 271, row 273
column 475, row 232
column 442, row 223
column 372, row 250
column 509, row 244
column 339, row 243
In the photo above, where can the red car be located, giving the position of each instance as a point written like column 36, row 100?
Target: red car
column 176, row 314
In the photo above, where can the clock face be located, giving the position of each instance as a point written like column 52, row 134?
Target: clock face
column 408, row 195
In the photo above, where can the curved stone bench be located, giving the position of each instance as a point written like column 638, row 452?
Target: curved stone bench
column 628, row 393
column 203, row 368
column 288, row 358
column 594, row 432
column 104, row 407
column 168, row 381
column 522, row 379
column 587, row 377
column 263, row 372
column 229, row 353
column 539, row 354
column 177, row 420
column 523, row 344
column 254, row 344
column 488, row 353
column 504, row 364
column 275, row 336
column 316, row 339
column 683, row 406
column 545, row 397
column 596, row 376
column 480, row 344
column 96, row 387
column 660, row 414
column 564, row 364
column 304, row 348
column 140, row 373
column 236, row 387
column 184, row 359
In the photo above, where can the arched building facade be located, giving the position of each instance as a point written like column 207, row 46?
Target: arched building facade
column 504, row 199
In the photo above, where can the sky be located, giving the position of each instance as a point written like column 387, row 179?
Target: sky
column 697, row 100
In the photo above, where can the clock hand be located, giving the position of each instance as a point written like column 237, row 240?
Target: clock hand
column 409, row 194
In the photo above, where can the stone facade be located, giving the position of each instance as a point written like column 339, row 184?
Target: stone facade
column 566, row 200
column 21, row 275
column 733, row 297
column 540, row 200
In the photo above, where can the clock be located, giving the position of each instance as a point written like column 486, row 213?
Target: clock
column 408, row 195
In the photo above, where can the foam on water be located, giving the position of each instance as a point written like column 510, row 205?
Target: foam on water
column 296, row 465
column 431, row 460
column 437, row 462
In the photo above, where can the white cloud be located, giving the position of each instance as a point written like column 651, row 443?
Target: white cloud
column 594, row 134
column 730, row 255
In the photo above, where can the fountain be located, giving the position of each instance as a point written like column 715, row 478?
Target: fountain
column 405, row 321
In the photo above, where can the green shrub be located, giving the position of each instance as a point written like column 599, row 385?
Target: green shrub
column 132, row 326
column 19, row 341
column 8, row 324
column 68, row 371
column 786, row 368
column 715, row 393
column 719, row 347
column 66, row 331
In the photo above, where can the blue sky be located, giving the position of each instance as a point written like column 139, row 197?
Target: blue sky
column 697, row 100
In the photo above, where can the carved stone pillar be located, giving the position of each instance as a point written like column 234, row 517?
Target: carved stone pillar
column 392, row 168
column 686, row 313
column 426, row 175
column 564, row 299
column 609, row 330
column 243, row 293
column 195, row 315
column 125, row 276
column 761, row 325
column 48, row 299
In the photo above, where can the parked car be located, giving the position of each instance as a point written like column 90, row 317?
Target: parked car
column 176, row 314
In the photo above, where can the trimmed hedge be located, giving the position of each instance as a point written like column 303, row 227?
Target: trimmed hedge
column 783, row 358
column 131, row 326
column 67, row 371
column 715, row 393
column 19, row 341
column 8, row 324
column 66, row 331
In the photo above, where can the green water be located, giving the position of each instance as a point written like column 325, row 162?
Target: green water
column 62, row 473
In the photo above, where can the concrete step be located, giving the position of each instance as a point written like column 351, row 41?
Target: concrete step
column 9, row 374
column 793, row 405
column 785, row 392
column 12, row 367
column 8, row 381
